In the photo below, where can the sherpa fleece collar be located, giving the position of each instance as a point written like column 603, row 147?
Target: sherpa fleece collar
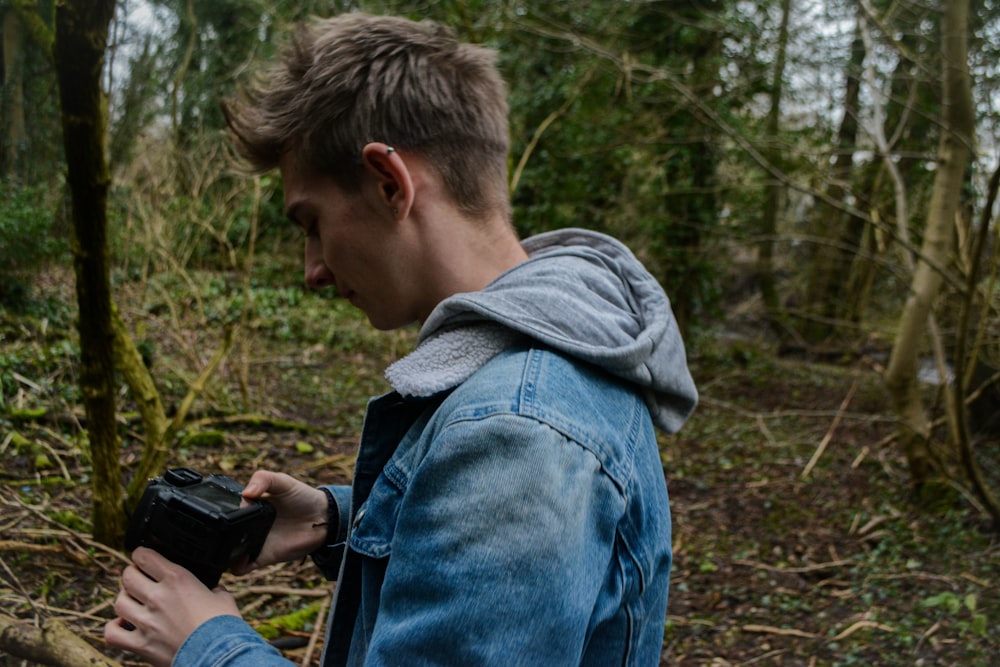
column 448, row 358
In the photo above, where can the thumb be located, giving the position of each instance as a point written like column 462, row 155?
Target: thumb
column 259, row 484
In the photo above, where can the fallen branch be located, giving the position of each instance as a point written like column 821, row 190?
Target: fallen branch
column 68, row 535
column 805, row 569
column 784, row 632
column 829, row 434
column 860, row 625
column 318, row 629
column 41, row 549
column 792, row 632
column 859, row 417
column 52, row 644
column 282, row 590
column 344, row 463
column 258, row 420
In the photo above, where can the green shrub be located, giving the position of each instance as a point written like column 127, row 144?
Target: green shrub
column 29, row 238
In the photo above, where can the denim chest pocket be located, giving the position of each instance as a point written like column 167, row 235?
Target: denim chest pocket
column 375, row 522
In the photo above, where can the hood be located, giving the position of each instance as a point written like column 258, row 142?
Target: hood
column 581, row 293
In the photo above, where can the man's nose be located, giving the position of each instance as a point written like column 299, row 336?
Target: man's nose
column 317, row 273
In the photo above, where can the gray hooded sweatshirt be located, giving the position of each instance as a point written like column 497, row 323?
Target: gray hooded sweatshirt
column 581, row 293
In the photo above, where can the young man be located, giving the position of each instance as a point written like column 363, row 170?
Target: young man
column 509, row 504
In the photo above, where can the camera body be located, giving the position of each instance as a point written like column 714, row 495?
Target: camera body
column 199, row 522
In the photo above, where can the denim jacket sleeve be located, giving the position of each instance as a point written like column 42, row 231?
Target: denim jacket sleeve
column 489, row 532
column 228, row 641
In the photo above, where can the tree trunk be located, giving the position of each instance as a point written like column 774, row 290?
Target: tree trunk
column 772, row 203
column 966, row 360
column 691, row 212
column 13, row 85
column 81, row 36
column 843, row 230
column 957, row 124
column 33, row 25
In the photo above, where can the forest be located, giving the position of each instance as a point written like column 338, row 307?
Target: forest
column 813, row 182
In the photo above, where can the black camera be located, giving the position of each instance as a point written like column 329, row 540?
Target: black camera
column 200, row 523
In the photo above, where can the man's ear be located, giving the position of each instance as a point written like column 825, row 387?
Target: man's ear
column 395, row 185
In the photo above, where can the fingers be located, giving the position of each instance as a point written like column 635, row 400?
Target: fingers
column 120, row 633
column 148, row 569
column 266, row 482
column 139, row 580
column 130, row 609
column 127, row 607
column 136, row 589
column 300, row 523
column 116, row 631
column 151, row 564
column 159, row 605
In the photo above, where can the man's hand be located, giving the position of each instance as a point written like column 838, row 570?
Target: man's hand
column 300, row 521
column 160, row 605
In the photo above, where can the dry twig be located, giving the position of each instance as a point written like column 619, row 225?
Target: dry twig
column 805, row 569
column 318, row 628
column 829, row 434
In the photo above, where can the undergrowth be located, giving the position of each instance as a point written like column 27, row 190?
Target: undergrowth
column 790, row 551
column 796, row 539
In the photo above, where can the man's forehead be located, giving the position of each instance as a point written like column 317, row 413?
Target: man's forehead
column 296, row 175
column 293, row 188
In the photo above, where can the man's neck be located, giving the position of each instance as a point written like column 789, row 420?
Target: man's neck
column 467, row 255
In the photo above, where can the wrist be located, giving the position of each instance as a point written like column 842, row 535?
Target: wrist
column 328, row 525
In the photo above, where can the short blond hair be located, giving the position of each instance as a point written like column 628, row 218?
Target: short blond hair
column 345, row 81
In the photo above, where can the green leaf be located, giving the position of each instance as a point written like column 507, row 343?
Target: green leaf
column 979, row 624
column 946, row 599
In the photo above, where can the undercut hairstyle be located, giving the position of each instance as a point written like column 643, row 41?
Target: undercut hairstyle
column 346, row 81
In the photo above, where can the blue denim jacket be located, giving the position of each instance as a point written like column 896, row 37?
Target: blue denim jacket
column 520, row 519
column 509, row 505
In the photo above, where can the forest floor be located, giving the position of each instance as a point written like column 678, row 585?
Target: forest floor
column 796, row 539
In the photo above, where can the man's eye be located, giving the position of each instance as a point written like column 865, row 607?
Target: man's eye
column 305, row 229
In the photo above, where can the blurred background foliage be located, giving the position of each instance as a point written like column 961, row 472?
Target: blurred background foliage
column 775, row 158
column 656, row 121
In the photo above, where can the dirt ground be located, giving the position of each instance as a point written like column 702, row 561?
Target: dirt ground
column 797, row 541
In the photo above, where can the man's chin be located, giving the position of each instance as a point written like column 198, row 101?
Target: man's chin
column 383, row 323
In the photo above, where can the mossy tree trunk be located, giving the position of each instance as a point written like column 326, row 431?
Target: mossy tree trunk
column 13, row 84
column 81, row 37
column 954, row 149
